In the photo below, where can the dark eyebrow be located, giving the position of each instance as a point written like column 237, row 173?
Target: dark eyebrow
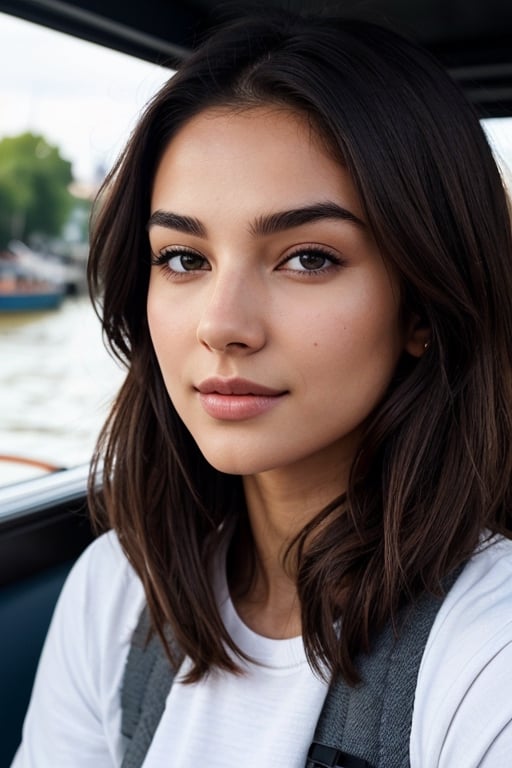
column 186, row 224
column 268, row 224
column 277, row 222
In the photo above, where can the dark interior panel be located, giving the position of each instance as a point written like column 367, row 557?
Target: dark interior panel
column 473, row 38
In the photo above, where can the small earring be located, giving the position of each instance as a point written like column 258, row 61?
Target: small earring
column 426, row 345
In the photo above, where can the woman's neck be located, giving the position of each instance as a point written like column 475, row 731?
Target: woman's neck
column 279, row 504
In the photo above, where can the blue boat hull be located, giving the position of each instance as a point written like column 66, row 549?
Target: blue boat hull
column 30, row 302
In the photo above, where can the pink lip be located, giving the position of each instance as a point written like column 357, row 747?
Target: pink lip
column 235, row 386
column 236, row 399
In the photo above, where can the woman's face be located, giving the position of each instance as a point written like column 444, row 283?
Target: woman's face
column 274, row 319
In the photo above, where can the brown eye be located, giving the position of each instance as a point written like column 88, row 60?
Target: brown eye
column 312, row 260
column 186, row 262
column 179, row 261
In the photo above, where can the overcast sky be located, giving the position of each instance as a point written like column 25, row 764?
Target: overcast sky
column 80, row 96
column 85, row 98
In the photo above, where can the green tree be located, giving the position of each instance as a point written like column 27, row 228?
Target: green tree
column 34, row 180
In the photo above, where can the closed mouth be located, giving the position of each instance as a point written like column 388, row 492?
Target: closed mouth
column 236, row 386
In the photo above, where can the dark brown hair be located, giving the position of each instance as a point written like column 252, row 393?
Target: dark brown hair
column 434, row 466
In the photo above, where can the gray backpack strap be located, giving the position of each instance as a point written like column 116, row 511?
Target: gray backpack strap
column 369, row 726
column 148, row 678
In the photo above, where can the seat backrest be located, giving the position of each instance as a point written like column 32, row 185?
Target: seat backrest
column 26, row 608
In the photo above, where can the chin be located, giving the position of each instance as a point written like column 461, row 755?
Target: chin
column 237, row 465
column 234, row 460
column 237, row 459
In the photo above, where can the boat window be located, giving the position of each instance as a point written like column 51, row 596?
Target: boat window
column 499, row 134
column 67, row 109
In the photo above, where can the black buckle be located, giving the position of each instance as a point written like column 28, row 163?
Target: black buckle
column 329, row 757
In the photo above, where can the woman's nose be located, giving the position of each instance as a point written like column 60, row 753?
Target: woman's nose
column 233, row 317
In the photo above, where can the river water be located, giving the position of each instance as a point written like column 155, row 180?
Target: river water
column 57, row 382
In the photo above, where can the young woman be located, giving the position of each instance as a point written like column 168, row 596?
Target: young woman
column 304, row 256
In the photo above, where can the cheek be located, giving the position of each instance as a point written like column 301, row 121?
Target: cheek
column 157, row 323
column 166, row 334
column 355, row 350
column 168, row 323
column 374, row 322
column 357, row 327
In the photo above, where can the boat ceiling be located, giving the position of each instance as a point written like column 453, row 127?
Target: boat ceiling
column 473, row 38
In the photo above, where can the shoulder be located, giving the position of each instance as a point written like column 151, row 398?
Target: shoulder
column 103, row 598
column 478, row 609
column 74, row 714
column 103, row 559
column 105, row 551
column 96, row 615
column 463, row 709
column 104, row 588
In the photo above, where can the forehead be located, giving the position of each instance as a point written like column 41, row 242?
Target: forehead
column 230, row 155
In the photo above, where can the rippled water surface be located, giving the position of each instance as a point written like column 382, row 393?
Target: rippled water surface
column 57, row 382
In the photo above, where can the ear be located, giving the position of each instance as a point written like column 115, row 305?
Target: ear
column 418, row 336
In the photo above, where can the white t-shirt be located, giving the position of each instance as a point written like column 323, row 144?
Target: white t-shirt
column 265, row 718
column 463, row 707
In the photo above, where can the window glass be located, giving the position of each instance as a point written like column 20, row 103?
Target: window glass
column 499, row 133
column 67, row 109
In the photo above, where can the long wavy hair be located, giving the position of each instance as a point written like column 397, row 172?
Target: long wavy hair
column 435, row 461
